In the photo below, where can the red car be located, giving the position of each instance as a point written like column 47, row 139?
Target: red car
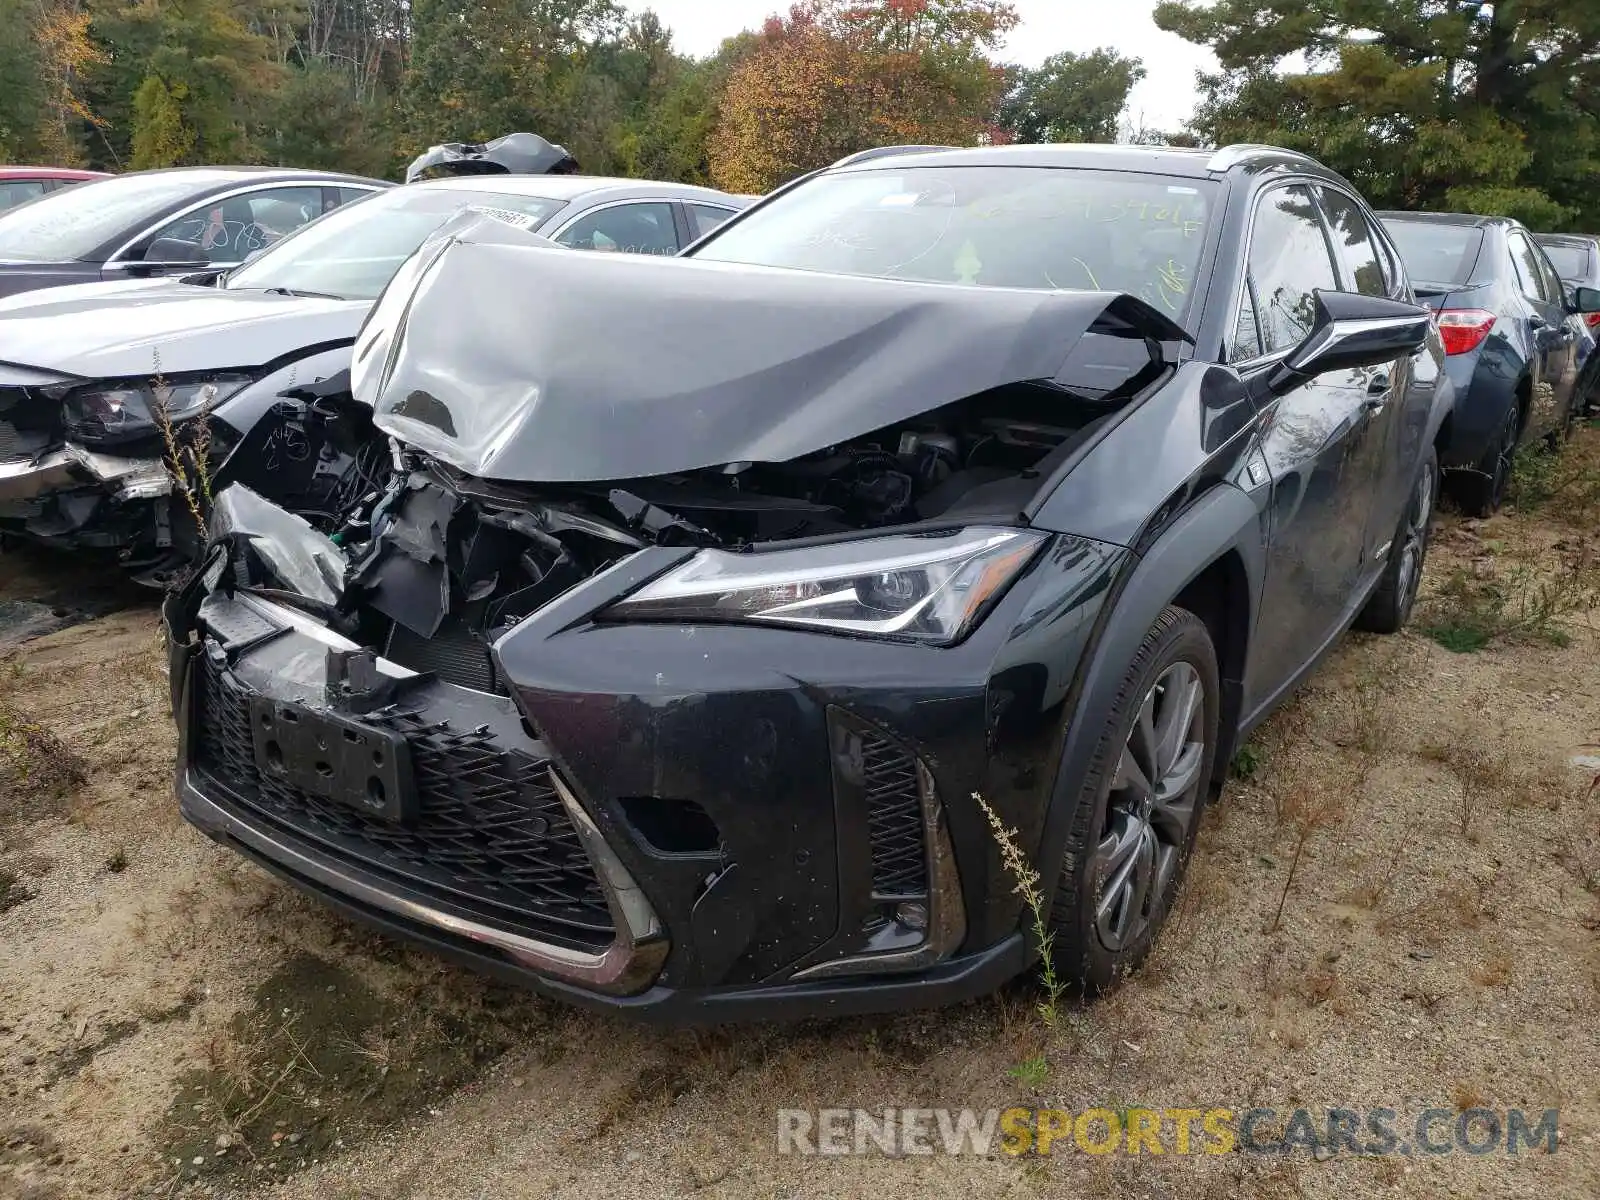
column 21, row 184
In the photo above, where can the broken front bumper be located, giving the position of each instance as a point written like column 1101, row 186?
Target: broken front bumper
column 501, row 865
column 80, row 497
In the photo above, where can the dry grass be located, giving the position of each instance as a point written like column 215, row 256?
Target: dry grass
column 35, row 764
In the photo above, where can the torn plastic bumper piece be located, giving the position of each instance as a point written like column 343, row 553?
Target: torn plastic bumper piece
column 73, row 465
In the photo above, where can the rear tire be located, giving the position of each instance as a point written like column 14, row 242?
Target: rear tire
column 1390, row 606
column 1482, row 492
column 1139, row 806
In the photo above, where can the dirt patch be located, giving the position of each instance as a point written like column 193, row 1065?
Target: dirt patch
column 1396, row 904
column 318, row 1063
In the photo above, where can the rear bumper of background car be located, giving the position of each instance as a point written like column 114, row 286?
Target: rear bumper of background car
column 1486, row 390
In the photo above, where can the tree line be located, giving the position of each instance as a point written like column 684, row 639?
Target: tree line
column 1423, row 103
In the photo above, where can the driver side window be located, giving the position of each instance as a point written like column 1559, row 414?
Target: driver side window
column 1289, row 260
column 229, row 230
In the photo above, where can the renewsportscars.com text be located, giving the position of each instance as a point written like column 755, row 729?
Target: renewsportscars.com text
column 1216, row 1130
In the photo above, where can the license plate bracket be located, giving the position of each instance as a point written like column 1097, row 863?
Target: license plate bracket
column 336, row 757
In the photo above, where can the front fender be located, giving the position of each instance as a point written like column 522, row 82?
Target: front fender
column 1225, row 519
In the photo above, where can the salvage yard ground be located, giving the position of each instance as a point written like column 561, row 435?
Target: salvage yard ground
column 1396, row 904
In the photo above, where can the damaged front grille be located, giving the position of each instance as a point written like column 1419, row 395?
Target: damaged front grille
column 492, row 837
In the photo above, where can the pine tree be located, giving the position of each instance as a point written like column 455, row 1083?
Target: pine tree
column 1441, row 104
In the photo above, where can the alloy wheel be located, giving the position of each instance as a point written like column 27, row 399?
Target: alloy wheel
column 1154, row 800
column 1414, row 539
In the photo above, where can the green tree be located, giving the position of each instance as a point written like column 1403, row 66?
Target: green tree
column 218, row 72
column 319, row 119
column 161, row 136
column 1070, row 97
column 1442, row 104
column 483, row 68
column 22, row 98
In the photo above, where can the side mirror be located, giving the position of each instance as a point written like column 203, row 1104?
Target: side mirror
column 1586, row 300
column 175, row 250
column 1351, row 331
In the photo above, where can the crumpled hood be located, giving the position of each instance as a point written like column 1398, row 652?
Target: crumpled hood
column 125, row 330
column 515, row 362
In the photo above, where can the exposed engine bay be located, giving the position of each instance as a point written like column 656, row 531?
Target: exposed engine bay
column 431, row 566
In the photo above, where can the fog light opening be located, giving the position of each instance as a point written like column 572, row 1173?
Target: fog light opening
column 913, row 915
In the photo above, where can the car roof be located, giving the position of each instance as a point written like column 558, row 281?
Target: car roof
column 206, row 177
column 50, row 173
column 569, row 188
column 1564, row 239
column 1183, row 161
column 1434, row 218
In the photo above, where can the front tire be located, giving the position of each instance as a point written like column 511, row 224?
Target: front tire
column 1390, row 606
column 1139, row 807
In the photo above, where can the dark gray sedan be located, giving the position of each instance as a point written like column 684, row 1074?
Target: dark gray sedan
column 154, row 223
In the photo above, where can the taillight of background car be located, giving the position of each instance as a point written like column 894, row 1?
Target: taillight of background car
column 1463, row 330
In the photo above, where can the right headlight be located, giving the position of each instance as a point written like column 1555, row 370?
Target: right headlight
column 929, row 588
column 106, row 412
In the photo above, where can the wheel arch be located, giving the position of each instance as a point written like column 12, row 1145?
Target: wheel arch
column 1212, row 556
column 1220, row 596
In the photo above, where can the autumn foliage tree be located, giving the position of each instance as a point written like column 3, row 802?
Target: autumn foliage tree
column 835, row 77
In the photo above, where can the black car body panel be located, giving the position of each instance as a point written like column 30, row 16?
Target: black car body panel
column 704, row 818
column 18, row 277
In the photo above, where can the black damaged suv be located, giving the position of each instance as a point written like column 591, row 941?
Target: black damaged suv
column 712, row 602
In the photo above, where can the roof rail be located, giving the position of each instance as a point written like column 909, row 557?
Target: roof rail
column 885, row 152
column 1232, row 156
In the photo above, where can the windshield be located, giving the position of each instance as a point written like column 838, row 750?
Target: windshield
column 354, row 251
column 1570, row 262
column 1436, row 253
column 73, row 223
column 1020, row 227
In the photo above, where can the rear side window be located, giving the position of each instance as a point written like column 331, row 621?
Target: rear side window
column 1289, row 260
column 1530, row 276
column 1570, row 262
column 1555, row 291
column 1352, row 238
column 625, row 229
column 19, row 191
column 703, row 218
column 1436, row 253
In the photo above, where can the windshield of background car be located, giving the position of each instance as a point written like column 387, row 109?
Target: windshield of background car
column 1018, row 227
column 1436, row 253
column 354, row 251
column 69, row 224
column 1570, row 262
